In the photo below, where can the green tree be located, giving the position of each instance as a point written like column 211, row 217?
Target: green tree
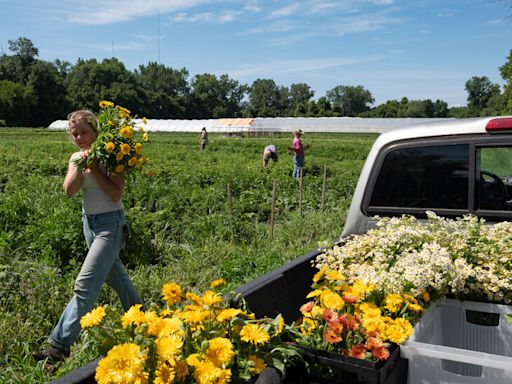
column 349, row 100
column 506, row 74
column 480, row 92
column 16, row 102
column 165, row 90
column 50, row 92
column 266, row 99
column 299, row 96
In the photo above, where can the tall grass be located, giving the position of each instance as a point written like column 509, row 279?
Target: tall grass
column 180, row 226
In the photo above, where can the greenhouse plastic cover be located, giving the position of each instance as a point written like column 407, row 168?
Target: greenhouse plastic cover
column 276, row 124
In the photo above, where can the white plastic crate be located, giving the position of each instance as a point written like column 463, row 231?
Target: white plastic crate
column 461, row 342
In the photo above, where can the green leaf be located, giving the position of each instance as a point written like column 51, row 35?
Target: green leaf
column 508, row 317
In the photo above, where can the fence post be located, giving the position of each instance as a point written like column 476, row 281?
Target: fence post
column 273, row 210
column 323, row 189
column 301, row 193
column 230, row 199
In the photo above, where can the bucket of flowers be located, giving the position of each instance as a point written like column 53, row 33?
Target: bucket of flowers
column 189, row 338
column 120, row 141
column 351, row 333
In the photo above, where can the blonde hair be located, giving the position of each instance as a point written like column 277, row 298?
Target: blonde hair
column 84, row 115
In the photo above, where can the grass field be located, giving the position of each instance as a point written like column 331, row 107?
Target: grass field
column 181, row 228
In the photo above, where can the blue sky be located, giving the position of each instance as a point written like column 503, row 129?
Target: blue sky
column 424, row 49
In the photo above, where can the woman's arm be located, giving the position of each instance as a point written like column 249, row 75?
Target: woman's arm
column 112, row 185
column 74, row 178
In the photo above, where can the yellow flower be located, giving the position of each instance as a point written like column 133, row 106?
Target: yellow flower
column 332, row 300
column 119, row 156
column 160, row 327
column 132, row 161
column 217, row 283
column 415, row 307
column 110, row 147
column 257, row 365
column 138, row 148
column 145, row 137
column 398, row 330
column 369, row 310
column 319, row 275
column 119, row 168
column 393, row 302
column 426, row 296
column 164, row 374
column 171, row 293
column 126, row 131
column 133, row 316
column 144, row 120
column 211, row 299
column 253, row 333
column 168, row 347
column 181, row 369
column 280, row 325
column 140, row 163
column 106, row 104
column 194, row 297
column 92, row 318
column 125, row 148
column 334, row 275
column 228, row 314
column 207, row 373
column 193, row 360
column 220, row 351
column 123, row 112
column 315, row 293
column 307, row 326
column 124, row 363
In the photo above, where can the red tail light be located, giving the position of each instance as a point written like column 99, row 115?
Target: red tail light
column 499, row 124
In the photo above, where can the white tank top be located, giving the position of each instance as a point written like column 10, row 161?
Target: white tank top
column 94, row 199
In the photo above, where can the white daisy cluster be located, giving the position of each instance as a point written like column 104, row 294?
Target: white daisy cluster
column 462, row 257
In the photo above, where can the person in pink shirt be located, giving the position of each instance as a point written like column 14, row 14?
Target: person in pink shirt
column 298, row 153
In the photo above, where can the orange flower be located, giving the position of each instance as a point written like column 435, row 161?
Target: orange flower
column 336, row 326
column 381, row 353
column 358, row 351
column 374, row 342
column 350, row 299
column 350, row 321
column 330, row 316
column 305, row 308
column 330, row 336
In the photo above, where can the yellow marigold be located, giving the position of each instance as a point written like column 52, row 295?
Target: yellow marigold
column 207, row 373
column 211, row 298
column 369, row 310
column 331, row 300
column 124, row 363
column 168, row 347
column 253, row 333
column 92, row 318
column 119, row 168
column 126, row 131
column 195, row 317
column 362, row 288
column 194, row 297
column 228, row 314
column 133, row 316
column 165, row 327
column 123, row 112
column 164, row 374
column 132, row 161
column 171, row 293
column 193, row 360
column 397, row 330
column 138, row 148
column 110, row 146
column 220, row 351
column 106, row 104
column 425, row 295
column 125, row 148
column 145, row 137
column 334, row 275
column 257, row 365
column 181, row 369
column 415, row 307
column 217, row 283
column 317, row 311
column 393, row 302
column 373, row 325
column 315, row 293
column 319, row 275
column 307, row 327
column 119, row 156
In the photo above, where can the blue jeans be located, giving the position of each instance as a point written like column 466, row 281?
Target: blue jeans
column 104, row 234
column 298, row 163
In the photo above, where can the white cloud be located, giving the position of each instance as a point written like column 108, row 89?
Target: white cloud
column 285, row 11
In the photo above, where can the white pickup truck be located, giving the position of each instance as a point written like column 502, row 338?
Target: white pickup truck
column 452, row 168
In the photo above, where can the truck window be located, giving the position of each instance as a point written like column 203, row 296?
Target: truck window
column 423, row 177
column 494, row 178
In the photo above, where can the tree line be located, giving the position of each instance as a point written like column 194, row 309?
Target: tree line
column 35, row 92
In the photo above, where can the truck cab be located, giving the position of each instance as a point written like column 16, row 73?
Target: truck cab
column 452, row 168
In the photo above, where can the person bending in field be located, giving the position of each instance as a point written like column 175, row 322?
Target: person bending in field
column 270, row 152
column 104, row 228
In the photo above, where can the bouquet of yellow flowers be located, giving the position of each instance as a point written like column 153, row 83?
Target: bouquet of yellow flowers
column 356, row 320
column 119, row 144
column 191, row 338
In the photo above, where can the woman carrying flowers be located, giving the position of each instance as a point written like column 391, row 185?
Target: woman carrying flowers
column 104, row 229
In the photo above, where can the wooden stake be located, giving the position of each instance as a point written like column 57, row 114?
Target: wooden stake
column 230, row 200
column 273, row 210
column 301, row 193
column 323, row 189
